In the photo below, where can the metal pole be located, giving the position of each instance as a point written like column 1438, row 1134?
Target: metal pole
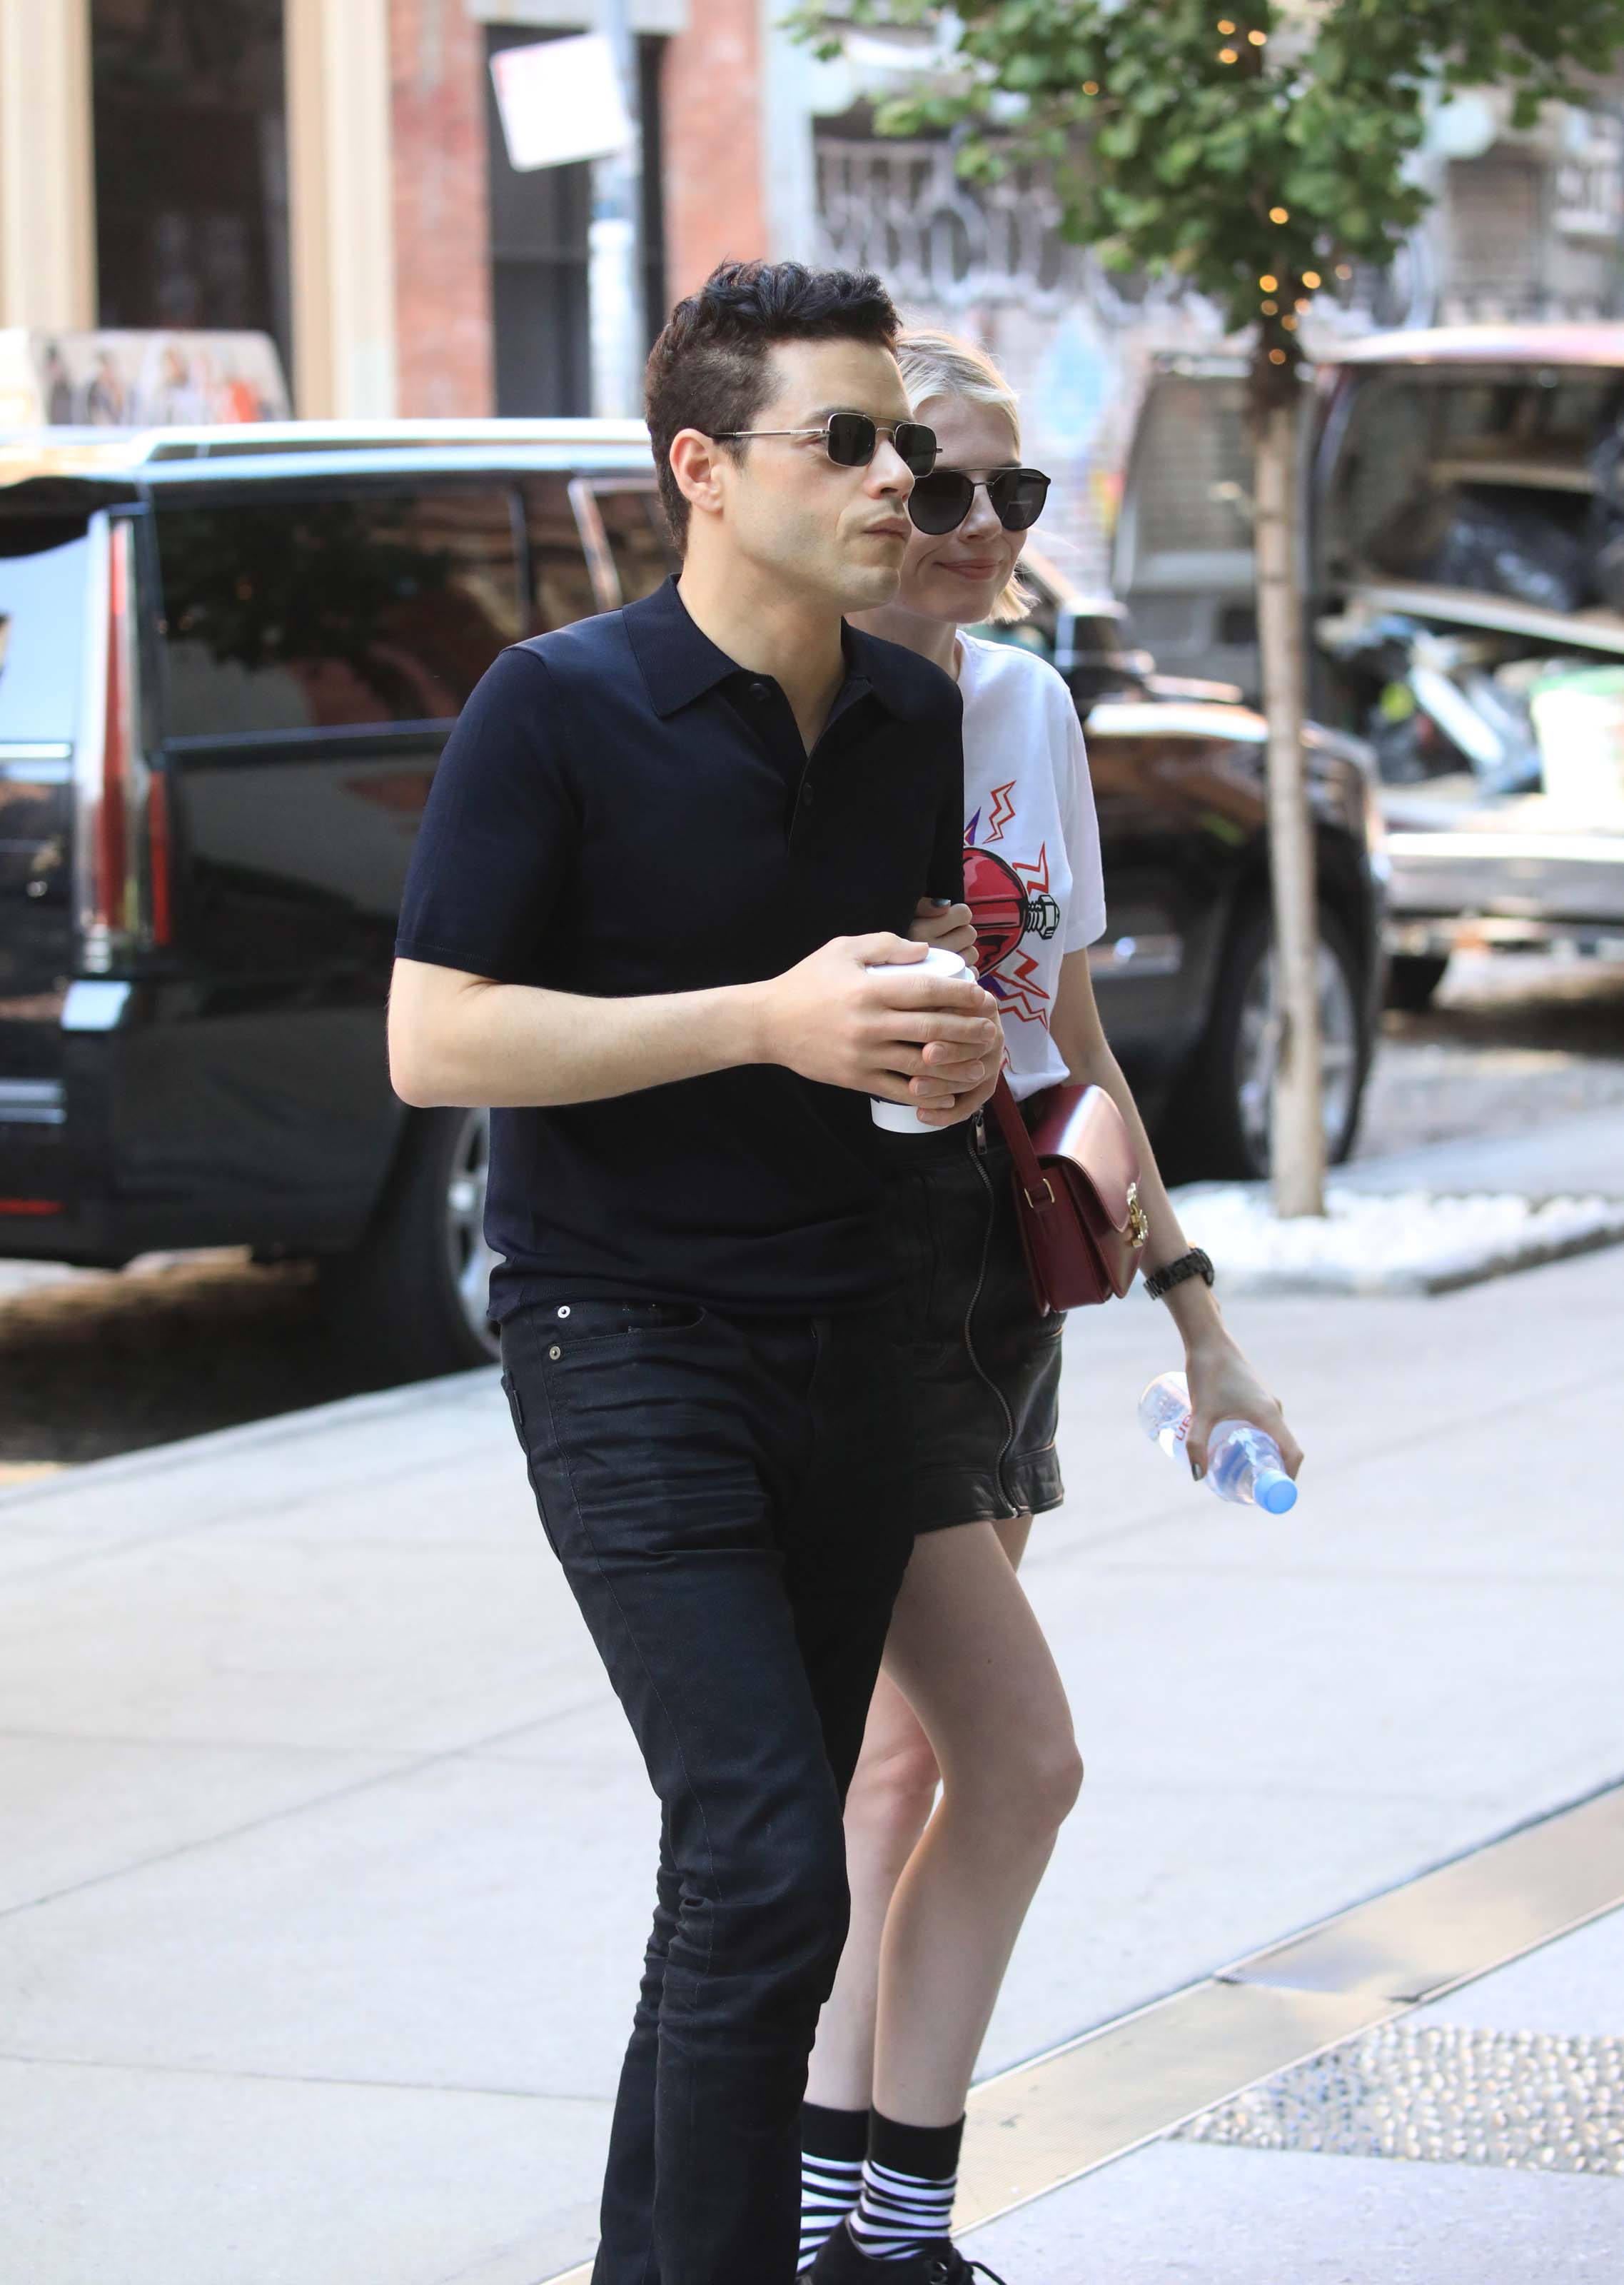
column 615, row 283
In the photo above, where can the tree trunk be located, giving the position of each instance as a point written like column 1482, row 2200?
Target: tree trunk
column 1297, row 1121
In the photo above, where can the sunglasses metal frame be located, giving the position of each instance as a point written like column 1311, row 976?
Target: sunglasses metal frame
column 881, row 429
column 976, row 484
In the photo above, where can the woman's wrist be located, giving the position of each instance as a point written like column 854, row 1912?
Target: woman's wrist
column 1193, row 1309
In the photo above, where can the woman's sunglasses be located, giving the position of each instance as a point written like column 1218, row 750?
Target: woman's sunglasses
column 941, row 499
column 851, row 440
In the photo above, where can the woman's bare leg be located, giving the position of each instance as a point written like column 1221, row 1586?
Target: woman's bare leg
column 887, row 1809
column 966, row 1650
column 934, row 1919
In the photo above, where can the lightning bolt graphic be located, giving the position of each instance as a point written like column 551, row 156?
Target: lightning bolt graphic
column 1013, row 985
column 1035, row 876
column 1003, row 810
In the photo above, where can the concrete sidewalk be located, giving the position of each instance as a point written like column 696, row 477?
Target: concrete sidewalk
column 1363, row 2165
column 1569, row 1157
column 324, row 1863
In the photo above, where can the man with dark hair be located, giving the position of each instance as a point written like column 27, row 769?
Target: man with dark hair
column 662, row 851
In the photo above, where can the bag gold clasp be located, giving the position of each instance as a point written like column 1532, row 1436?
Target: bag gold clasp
column 1139, row 1228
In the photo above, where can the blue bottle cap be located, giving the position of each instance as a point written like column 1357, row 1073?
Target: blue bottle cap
column 1274, row 1492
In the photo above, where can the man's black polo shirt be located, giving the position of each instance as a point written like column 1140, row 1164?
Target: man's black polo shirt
column 621, row 810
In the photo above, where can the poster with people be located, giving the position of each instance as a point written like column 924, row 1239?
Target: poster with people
column 128, row 380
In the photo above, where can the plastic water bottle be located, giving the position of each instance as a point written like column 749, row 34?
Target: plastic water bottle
column 1242, row 1464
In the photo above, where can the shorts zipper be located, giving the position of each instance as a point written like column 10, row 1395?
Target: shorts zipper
column 978, row 1134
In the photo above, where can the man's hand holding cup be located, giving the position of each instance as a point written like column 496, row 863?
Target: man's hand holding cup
column 876, row 1014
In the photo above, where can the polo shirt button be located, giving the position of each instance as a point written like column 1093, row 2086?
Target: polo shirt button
column 807, row 795
column 555, row 1353
column 760, row 690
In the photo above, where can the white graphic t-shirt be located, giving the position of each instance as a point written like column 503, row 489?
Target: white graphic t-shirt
column 1032, row 843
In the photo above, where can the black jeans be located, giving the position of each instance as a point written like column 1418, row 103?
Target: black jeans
column 730, row 1503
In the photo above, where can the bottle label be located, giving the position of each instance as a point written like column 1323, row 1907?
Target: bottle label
column 1174, row 1435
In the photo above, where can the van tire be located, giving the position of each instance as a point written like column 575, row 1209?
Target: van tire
column 398, row 1296
column 1210, row 1134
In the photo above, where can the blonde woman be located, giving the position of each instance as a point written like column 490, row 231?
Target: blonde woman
column 969, row 1704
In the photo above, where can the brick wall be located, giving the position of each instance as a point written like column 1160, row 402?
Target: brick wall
column 714, row 207
column 441, row 224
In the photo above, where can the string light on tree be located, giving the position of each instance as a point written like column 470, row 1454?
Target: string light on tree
column 1269, row 285
column 1091, row 87
column 1224, row 25
column 1311, row 278
column 1257, row 38
column 1228, row 55
column 1269, row 308
column 1277, row 356
column 1279, row 214
column 1345, row 269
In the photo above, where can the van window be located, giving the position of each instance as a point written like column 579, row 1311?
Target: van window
column 43, row 562
column 560, row 584
column 638, row 542
column 1514, row 452
column 305, row 615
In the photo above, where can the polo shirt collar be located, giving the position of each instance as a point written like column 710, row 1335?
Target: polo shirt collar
column 896, row 676
column 680, row 663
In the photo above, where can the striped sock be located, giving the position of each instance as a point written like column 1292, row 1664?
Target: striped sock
column 909, row 2177
column 834, row 2144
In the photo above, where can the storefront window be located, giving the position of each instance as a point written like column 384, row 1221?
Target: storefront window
column 192, row 164
column 538, row 227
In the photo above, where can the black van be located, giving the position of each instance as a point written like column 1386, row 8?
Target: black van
column 228, row 660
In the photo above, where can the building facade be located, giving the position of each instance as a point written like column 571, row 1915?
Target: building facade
column 333, row 173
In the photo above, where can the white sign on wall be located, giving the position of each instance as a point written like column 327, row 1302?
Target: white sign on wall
column 561, row 101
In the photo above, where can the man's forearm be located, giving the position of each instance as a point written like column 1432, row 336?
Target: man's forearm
column 457, row 1039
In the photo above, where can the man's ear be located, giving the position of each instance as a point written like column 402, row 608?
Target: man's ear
column 696, row 464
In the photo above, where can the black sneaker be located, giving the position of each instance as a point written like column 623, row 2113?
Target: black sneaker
column 842, row 2261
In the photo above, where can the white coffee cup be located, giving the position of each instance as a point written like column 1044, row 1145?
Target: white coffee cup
column 901, row 1117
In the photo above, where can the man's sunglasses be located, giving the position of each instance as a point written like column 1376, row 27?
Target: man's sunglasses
column 851, row 440
column 941, row 499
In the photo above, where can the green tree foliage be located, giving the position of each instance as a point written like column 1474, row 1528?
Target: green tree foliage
column 1233, row 145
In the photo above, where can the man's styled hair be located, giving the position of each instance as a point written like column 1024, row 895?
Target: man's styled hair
column 709, row 368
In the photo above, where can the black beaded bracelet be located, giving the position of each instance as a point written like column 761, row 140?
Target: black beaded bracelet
column 1193, row 1264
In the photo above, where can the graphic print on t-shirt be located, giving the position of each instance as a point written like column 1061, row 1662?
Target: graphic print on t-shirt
column 1009, row 901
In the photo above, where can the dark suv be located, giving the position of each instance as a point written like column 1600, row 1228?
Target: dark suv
column 231, row 659
column 1183, row 974
column 228, row 660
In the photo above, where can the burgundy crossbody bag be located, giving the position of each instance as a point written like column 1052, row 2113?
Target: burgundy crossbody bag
column 1076, row 1194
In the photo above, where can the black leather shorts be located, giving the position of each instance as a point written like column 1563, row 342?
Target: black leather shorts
column 986, row 1364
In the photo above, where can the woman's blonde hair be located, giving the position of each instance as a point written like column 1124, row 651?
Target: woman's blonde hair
column 941, row 365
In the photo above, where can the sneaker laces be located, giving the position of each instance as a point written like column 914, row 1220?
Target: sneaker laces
column 942, row 2272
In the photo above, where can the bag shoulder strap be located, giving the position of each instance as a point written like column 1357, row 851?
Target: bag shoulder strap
column 1028, row 1166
